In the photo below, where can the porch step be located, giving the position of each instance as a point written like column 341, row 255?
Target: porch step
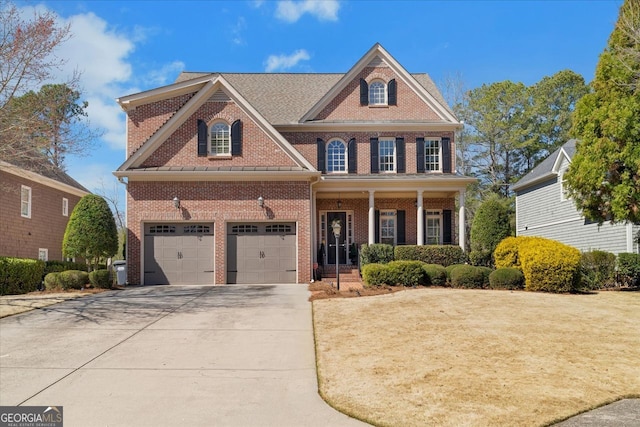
column 348, row 273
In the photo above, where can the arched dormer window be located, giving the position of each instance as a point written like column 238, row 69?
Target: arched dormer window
column 336, row 156
column 378, row 93
column 220, row 139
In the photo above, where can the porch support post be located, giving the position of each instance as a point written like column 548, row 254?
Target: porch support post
column 372, row 218
column 420, row 219
column 461, row 221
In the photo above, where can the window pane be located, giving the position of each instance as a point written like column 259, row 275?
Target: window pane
column 388, row 227
column 432, row 155
column 25, row 202
column 387, row 155
column 336, row 157
column 433, row 228
column 377, row 93
column 220, row 139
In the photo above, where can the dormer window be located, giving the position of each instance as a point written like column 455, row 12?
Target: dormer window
column 220, row 139
column 377, row 93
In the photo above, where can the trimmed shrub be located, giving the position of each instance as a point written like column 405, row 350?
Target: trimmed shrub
column 448, row 269
column 506, row 278
column 407, row 273
column 436, row 274
column 431, row 254
column 58, row 266
column 378, row 253
column 100, row 279
column 629, row 266
column 375, row 274
column 467, row 276
column 597, row 269
column 547, row 265
column 52, row 281
column 486, row 272
column 490, row 225
column 20, row 275
column 73, row 279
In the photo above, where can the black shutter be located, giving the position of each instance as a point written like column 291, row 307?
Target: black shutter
column 202, row 138
column 400, row 157
column 375, row 167
column 236, row 138
column 353, row 156
column 446, row 227
column 446, row 155
column 377, row 236
column 322, row 164
column 420, row 154
column 392, row 91
column 364, row 92
column 401, row 237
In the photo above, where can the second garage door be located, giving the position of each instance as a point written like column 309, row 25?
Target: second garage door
column 261, row 253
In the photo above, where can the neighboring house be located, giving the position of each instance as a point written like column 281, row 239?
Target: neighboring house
column 36, row 202
column 544, row 209
column 237, row 178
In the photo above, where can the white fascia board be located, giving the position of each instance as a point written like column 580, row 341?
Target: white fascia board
column 143, row 175
column 558, row 162
column 165, row 92
column 40, row 179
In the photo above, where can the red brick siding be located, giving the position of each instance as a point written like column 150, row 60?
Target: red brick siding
column 306, row 144
column 221, row 203
column 347, row 102
column 181, row 148
column 22, row 237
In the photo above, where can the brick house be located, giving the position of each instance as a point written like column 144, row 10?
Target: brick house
column 237, row 178
column 36, row 203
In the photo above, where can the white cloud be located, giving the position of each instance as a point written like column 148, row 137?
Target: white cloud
column 324, row 10
column 237, row 30
column 284, row 62
column 161, row 76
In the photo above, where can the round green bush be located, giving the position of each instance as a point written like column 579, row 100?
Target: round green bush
column 449, row 268
column 436, row 274
column 375, row 274
column 73, row 279
column 467, row 276
column 407, row 273
column 506, row 278
column 486, row 271
column 51, row 281
column 100, row 279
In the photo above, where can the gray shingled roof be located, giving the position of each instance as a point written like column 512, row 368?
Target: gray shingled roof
column 545, row 169
column 283, row 98
column 45, row 168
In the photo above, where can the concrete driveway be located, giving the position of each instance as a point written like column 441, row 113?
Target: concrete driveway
column 166, row 356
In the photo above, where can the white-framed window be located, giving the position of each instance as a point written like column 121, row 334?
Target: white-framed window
column 388, row 226
column 378, row 93
column 25, row 201
column 220, row 139
column 336, row 156
column 387, row 154
column 433, row 228
column 65, row 206
column 43, row 254
column 432, row 155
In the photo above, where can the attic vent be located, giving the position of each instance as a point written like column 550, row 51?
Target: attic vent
column 219, row 96
column 377, row 62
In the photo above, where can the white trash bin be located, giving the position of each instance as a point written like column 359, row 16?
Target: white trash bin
column 121, row 271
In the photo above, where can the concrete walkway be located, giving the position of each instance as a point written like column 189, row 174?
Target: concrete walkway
column 166, row 356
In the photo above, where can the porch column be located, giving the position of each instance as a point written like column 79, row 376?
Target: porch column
column 314, row 230
column 372, row 218
column 461, row 221
column 420, row 219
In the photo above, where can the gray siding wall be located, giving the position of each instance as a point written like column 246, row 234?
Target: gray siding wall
column 540, row 211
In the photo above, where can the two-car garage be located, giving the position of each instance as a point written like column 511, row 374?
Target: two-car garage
column 183, row 253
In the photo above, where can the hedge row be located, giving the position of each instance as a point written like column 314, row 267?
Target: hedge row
column 443, row 255
column 20, row 275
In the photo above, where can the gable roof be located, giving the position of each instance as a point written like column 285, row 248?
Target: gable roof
column 206, row 86
column 549, row 167
column 45, row 174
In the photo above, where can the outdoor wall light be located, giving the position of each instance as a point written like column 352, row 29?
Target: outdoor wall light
column 261, row 202
column 176, row 202
column 339, row 204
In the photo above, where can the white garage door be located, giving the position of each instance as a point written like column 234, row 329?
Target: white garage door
column 261, row 253
column 178, row 254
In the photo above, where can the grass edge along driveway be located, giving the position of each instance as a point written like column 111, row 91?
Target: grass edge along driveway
column 475, row 357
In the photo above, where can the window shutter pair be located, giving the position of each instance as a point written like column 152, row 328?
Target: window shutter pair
column 392, row 91
column 400, row 156
column 400, row 227
column 203, row 140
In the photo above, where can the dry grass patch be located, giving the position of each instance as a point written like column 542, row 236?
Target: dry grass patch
column 476, row 358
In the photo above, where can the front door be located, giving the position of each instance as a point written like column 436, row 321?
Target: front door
column 331, row 239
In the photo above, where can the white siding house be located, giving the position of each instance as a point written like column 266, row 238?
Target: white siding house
column 542, row 209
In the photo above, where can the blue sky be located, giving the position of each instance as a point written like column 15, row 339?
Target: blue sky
column 123, row 47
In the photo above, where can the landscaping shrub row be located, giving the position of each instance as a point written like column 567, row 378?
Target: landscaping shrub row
column 20, row 275
column 443, row 255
